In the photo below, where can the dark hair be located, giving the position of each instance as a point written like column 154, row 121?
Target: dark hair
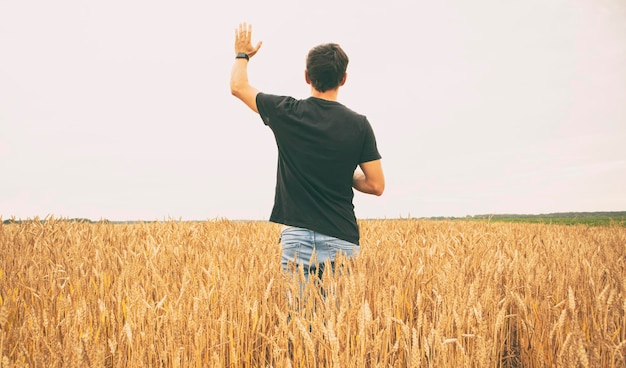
column 326, row 66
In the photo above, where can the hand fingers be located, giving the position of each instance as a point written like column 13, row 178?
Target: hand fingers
column 244, row 31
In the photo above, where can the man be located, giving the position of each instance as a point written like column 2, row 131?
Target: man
column 320, row 144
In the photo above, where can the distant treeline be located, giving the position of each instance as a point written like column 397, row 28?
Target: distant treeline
column 554, row 215
column 86, row 220
column 564, row 218
column 557, row 217
column 531, row 216
column 37, row 219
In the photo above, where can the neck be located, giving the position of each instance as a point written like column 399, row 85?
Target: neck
column 330, row 95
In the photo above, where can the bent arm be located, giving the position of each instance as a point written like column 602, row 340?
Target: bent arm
column 239, row 85
column 370, row 179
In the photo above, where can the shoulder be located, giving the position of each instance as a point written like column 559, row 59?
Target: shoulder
column 272, row 99
column 273, row 107
column 361, row 123
column 356, row 116
column 359, row 119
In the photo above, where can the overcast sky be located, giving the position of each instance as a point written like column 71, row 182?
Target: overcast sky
column 122, row 109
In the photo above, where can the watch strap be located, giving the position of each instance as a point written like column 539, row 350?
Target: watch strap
column 242, row 55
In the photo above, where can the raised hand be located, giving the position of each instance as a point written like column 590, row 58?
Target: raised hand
column 243, row 40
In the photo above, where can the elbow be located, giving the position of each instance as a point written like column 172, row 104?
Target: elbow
column 235, row 90
column 378, row 189
column 237, row 87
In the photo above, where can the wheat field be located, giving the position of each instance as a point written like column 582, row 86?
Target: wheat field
column 212, row 294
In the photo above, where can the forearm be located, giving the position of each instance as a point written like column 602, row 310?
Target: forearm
column 239, row 85
column 239, row 76
column 360, row 183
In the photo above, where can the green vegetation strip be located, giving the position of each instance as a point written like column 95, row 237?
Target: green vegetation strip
column 564, row 218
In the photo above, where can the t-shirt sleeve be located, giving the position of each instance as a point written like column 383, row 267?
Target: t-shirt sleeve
column 264, row 105
column 269, row 106
column 370, row 149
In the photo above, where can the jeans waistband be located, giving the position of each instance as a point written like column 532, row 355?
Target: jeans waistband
column 285, row 227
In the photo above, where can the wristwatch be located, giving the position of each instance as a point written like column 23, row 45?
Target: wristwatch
column 242, row 55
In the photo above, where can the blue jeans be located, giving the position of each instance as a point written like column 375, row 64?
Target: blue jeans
column 310, row 250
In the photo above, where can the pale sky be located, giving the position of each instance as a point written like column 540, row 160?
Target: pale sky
column 122, row 109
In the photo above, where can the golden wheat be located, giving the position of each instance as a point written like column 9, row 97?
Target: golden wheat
column 212, row 294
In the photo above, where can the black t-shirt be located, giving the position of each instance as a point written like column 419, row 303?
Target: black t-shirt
column 320, row 144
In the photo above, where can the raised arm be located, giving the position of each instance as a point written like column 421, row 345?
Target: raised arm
column 370, row 179
column 239, row 85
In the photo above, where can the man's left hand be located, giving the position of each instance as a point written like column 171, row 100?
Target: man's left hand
column 243, row 40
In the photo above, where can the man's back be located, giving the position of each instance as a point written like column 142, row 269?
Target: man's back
column 320, row 144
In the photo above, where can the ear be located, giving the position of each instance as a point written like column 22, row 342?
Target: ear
column 306, row 77
column 343, row 80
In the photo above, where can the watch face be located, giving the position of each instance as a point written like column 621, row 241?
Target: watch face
column 242, row 55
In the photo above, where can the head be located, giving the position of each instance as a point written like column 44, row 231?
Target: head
column 326, row 66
